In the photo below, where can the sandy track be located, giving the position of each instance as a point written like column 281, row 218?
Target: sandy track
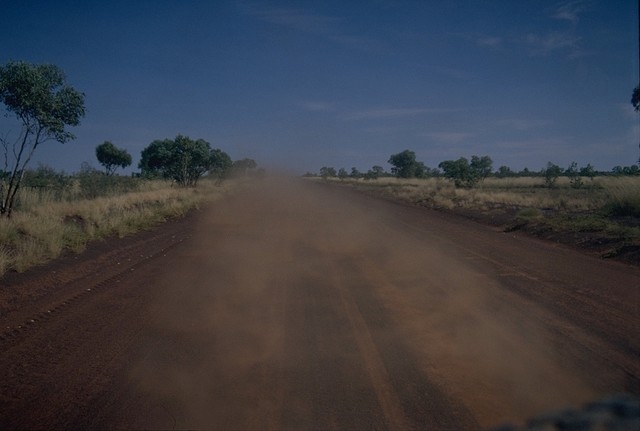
column 302, row 306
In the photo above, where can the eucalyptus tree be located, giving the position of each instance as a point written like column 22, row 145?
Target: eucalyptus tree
column 112, row 157
column 405, row 165
column 183, row 160
column 465, row 174
column 44, row 105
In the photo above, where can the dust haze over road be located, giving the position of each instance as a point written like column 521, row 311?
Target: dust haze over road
column 297, row 305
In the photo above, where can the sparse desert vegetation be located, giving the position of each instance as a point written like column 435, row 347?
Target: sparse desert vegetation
column 597, row 210
column 51, row 220
column 603, row 214
column 44, row 213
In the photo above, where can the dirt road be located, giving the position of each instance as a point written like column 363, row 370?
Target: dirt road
column 296, row 305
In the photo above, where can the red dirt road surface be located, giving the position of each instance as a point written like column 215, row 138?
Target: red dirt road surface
column 296, row 305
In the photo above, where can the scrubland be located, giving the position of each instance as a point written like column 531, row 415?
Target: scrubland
column 602, row 214
column 47, row 223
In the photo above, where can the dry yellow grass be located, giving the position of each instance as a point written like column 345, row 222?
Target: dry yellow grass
column 526, row 192
column 605, row 209
column 43, row 228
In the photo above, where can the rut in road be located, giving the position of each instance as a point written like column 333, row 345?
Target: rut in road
column 297, row 305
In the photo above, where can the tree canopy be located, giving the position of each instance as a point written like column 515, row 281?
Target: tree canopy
column 551, row 174
column 465, row 174
column 112, row 157
column 243, row 166
column 221, row 163
column 44, row 105
column 328, row 172
column 183, row 160
column 405, row 165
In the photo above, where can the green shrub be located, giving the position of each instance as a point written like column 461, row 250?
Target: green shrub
column 528, row 214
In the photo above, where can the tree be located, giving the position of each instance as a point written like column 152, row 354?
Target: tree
column 342, row 173
column 504, row 172
column 575, row 178
column 378, row 171
column 46, row 177
column 355, row 173
column 112, row 157
column 327, row 172
column 182, row 160
column 374, row 173
column 465, row 174
column 156, row 158
column 220, row 164
column 551, row 174
column 526, row 173
column 44, row 105
column 421, row 171
column 242, row 166
column 481, row 167
column 405, row 165
column 459, row 171
column 626, row 170
column 635, row 101
column 588, row 171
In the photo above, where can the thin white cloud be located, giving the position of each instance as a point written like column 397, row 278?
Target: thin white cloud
column 563, row 42
column 450, row 72
column 327, row 27
column 570, row 10
column 560, row 42
column 317, row 106
column 299, row 20
column 480, row 39
column 384, row 113
column 521, row 124
column 489, row 41
column 449, row 137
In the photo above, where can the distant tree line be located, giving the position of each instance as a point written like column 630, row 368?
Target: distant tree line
column 89, row 182
column 468, row 173
column 182, row 160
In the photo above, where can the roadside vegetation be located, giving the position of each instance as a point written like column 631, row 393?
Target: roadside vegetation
column 576, row 205
column 44, row 213
column 56, row 213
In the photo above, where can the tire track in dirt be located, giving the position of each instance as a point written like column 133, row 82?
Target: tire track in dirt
column 372, row 361
column 54, row 287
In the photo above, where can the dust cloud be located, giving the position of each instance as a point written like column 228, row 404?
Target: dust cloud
column 251, row 331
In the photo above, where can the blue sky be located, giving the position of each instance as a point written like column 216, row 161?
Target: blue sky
column 305, row 84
